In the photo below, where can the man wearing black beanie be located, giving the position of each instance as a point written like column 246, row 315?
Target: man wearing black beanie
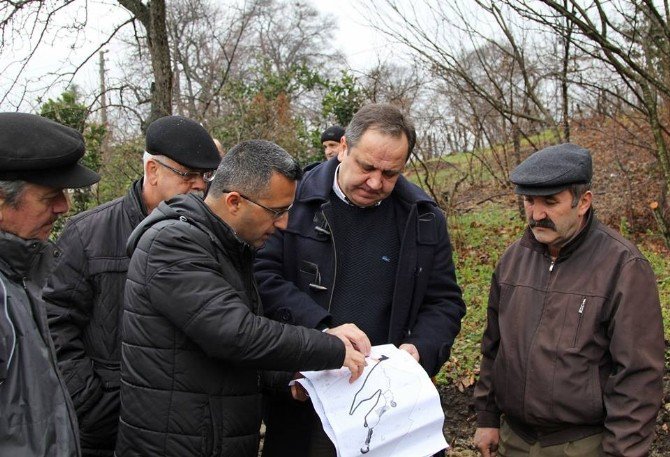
column 331, row 139
column 85, row 294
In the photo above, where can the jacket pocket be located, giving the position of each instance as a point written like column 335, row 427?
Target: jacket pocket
column 598, row 409
column 580, row 318
column 211, row 439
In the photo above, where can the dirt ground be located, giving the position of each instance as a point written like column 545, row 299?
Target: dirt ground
column 459, row 426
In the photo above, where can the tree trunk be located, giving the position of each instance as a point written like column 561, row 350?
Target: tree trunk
column 153, row 18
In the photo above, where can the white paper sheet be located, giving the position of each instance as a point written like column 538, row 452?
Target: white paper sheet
column 393, row 409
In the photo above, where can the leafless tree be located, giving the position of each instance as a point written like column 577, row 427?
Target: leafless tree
column 632, row 38
column 40, row 23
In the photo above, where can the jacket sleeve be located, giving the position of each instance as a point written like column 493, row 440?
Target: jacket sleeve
column 216, row 317
column 488, row 414
column 634, row 390
column 69, row 297
column 282, row 299
column 438, row 319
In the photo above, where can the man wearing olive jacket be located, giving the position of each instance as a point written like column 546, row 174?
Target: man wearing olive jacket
column 193, row 338
column 573, row 349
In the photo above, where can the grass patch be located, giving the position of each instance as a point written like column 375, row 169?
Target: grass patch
column 479, row 238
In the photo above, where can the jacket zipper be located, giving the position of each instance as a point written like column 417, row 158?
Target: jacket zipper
column 69, row 407
column 11, row 325
column 580, row 314
column 332, row 238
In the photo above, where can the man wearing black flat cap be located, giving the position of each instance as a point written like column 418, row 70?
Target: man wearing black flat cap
column 573, row 349
column 85, row 294
column 38, row 159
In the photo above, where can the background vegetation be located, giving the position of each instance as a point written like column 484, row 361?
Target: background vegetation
column 486, row 81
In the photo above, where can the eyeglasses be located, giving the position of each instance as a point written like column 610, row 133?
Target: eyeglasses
column 190, row 176
column 276, row 213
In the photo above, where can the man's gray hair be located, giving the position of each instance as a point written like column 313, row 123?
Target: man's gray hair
column 577, row 190
column 248, row 167
column 10, row 191
column 383, row 118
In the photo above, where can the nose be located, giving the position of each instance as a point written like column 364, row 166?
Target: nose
column 282, row 222
column 537, row 212
column 61, row 204
column 374, row 181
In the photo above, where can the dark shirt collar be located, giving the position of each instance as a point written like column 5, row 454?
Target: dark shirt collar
column 20, row 258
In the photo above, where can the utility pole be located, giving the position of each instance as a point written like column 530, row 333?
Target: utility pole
column 104, row 147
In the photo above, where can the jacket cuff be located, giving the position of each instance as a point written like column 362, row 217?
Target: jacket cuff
column 488, row 419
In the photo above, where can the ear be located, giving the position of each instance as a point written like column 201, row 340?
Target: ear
column 232, row 202
column 585, row 203
column 151, row 172
column 345, row 149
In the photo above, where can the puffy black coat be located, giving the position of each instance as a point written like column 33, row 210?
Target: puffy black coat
column 193, row 340
column 84, row 299
column 36, row 414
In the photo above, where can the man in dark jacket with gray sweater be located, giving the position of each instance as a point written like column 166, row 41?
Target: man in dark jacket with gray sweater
column 85, row 293
column 38, row 159
column 573, row 349
column 194, row 340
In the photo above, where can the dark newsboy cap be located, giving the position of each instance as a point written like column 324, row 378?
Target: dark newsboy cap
column 333, row 133
column 41, row 151
column 550, row 170
column 184, row 141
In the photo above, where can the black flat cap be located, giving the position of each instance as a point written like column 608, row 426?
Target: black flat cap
column 41, row 151
column 184, row 141
column 332, row 133
column 550, row 170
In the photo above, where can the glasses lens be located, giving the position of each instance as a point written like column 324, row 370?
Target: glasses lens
column 208, row 176
column 282, row 212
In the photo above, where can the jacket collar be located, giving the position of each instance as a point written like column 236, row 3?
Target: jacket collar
column 192, row 208
column 133, row 203
column 20, row 258
column 528, row 238
column 317, row 184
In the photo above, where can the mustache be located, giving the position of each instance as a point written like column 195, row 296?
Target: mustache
column 543, row 223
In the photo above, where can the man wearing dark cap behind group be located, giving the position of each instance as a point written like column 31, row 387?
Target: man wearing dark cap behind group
column 85, row 294
column 38, row 159
column 573, row 349
column 331, row 139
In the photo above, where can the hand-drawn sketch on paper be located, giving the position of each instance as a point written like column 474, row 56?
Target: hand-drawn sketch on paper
column 379, row 401
column 393, row 409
